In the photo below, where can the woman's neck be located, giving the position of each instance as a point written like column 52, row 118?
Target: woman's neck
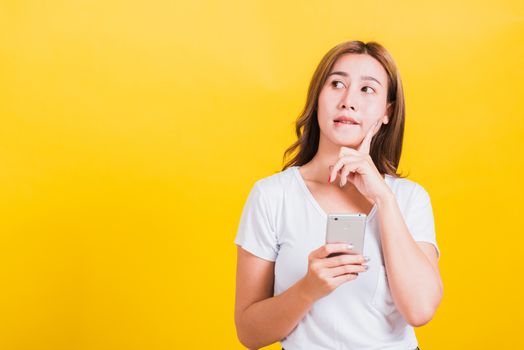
column 318, row 169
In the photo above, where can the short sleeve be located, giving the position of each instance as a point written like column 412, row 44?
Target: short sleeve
column 419, row 217
column 255, row 231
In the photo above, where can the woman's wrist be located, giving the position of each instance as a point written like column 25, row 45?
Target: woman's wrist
column 304, row 291
column 385, row 198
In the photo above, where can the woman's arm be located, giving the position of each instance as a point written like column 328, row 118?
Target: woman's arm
column 412, row 267
column 261, row 318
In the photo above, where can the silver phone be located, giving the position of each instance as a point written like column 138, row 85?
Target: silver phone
column 346, row 228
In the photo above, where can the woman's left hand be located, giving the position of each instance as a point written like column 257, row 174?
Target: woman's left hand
column 357, row 167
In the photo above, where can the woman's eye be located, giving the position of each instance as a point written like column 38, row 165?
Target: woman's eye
column 336, row 83
column 368, row 87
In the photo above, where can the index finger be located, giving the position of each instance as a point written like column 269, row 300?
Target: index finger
column 366, row 143
column 330, row 248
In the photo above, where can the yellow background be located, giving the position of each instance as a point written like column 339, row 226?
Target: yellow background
column 132, row 131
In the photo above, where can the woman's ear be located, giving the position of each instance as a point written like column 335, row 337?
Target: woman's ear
column 389, row 108
column 389, row 111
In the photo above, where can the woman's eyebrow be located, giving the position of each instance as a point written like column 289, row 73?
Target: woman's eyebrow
column 365, row 77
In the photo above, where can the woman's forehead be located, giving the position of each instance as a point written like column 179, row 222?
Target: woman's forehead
column 359, row 65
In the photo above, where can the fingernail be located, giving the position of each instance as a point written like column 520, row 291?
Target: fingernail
column 351, row 246
column 366, row 267
column 366, row 258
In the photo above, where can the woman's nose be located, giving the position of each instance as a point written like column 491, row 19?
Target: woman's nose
column 348, row 101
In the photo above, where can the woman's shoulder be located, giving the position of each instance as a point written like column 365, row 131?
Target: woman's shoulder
column 405, row 188
column 275, row 184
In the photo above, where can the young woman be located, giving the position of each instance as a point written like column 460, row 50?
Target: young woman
column 348, row 150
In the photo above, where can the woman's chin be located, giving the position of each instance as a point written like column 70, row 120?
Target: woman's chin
column 352, row 141
column 347, row 143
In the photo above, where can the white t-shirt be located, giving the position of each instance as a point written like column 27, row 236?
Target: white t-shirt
column 282, row 222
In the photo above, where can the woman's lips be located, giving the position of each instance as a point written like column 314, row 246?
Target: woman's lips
column 345, row 122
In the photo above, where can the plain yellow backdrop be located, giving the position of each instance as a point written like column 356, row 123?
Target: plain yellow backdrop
column 132, row 131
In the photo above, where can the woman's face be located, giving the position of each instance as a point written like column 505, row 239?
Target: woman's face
column 355, row 88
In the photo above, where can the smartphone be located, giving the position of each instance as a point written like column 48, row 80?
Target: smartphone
column 346, row 228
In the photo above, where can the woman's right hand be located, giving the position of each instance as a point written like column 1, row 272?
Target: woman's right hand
column 325, row 273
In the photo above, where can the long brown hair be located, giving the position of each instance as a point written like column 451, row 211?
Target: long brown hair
column 386, row 145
